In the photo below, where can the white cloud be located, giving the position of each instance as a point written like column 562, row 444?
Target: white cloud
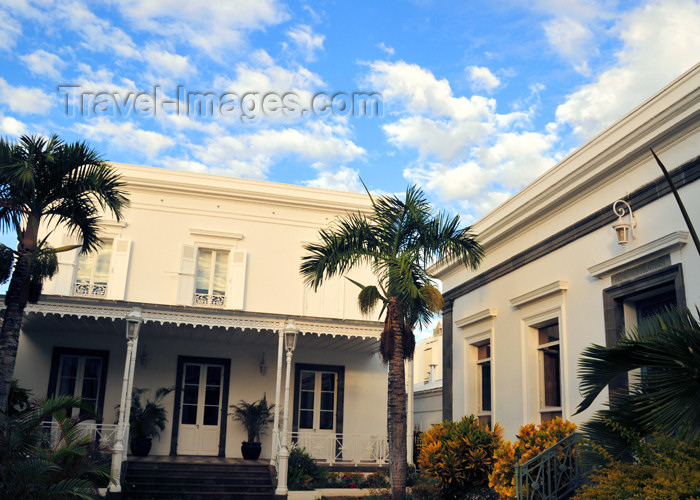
column 659, row 42
column 44, row 63
column 385, row 48
column 216, row 28
column 250, row 155
column 342, row 179
column 482, row 78
column 163, row 62
column 306, row 41
column 125, row 135
column 24, row 99
column 98, row 34
column 573, row 41
column 10, row 31
column 12, row 127
column 471, row 156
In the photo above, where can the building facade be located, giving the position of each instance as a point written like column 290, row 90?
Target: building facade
column 555, row 279
column 211, row 265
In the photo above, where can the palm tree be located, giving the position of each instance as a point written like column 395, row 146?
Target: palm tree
column 399, row 239
column 664, row 398
column 46, row 183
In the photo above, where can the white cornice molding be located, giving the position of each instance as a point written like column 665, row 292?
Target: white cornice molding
column 489, row 313
column 112, row 224
column 215, row 234
column 199, row 317
column 661, row 246
column 159, row 180
column 540, row 293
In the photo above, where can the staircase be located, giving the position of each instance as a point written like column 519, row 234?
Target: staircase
column 196, row 480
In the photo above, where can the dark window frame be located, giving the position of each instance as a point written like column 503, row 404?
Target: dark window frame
column 340, row 388
column 71, row 351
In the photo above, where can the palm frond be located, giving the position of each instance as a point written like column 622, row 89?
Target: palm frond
column 666, row 397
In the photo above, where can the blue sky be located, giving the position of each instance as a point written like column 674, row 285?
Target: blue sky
column 478, row 98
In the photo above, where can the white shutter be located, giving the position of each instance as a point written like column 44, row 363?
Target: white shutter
column 63, row 281
column 236, row 287
column 119, row 269
column 185, row 285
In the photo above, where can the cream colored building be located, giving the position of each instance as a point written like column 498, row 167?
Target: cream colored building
column 211, row 264
column 427, row 381
column 555, row 279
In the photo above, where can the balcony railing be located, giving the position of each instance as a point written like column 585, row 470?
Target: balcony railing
column 553, row 474
column 209, row 300
column 343, row 448
column 95, row 290
column 105, row 434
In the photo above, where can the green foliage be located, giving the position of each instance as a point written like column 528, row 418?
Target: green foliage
column 459, row 455
column 666, row 398
column 34, row 465
column 147, row 417
column 665, row 469
column 303, row 472
column 18, row 399
column 255, row 417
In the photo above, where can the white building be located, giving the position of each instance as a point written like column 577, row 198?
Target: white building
column 555, row 279
column 212, row 266
column 427, row 381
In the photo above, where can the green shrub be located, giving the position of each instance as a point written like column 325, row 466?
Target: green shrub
column 458, row 456
column 667, row 469
column 303, row 473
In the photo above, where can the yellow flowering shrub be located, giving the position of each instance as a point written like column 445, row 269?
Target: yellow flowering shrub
column 533, row 439
column 668, row 469
column 459, row 456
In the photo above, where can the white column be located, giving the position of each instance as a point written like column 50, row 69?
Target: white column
column 283, row 457
column 276, row 423
column 409, row 413
column 127, row 412
column 124, row 406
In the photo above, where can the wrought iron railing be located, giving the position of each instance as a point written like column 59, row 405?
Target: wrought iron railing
column 86, row 288
column 104, row 433
column 343, row 448
column 553, row 474
column 209, row 300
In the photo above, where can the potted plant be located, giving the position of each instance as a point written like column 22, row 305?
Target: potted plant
column 147, row 419
column 255, row 417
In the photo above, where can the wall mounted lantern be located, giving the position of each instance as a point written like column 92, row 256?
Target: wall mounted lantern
column 263, row 365
column 624, row 229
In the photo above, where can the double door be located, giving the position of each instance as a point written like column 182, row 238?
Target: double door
column 200, row 409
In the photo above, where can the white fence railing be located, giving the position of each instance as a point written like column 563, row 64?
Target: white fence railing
column 343, row 448
column 105, row 433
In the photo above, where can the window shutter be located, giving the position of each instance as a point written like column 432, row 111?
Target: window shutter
column 185, row 285
column 236, row 285
column 63, row 281
column 119, row 269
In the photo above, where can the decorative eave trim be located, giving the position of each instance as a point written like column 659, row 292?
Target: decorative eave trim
column 544, row 291
column 489, row 313
column 664, row 245
column 200, row 317
column 215, row 234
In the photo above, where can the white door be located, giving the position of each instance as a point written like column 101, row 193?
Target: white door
column 317, row 412
column 200, row 410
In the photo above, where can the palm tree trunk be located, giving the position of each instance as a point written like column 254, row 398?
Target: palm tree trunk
column 396, row 415
column 15, row 300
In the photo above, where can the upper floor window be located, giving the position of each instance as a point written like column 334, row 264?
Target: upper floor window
column 92, row 275
column 211, row 278
column 483, row 375
column 550, row 371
